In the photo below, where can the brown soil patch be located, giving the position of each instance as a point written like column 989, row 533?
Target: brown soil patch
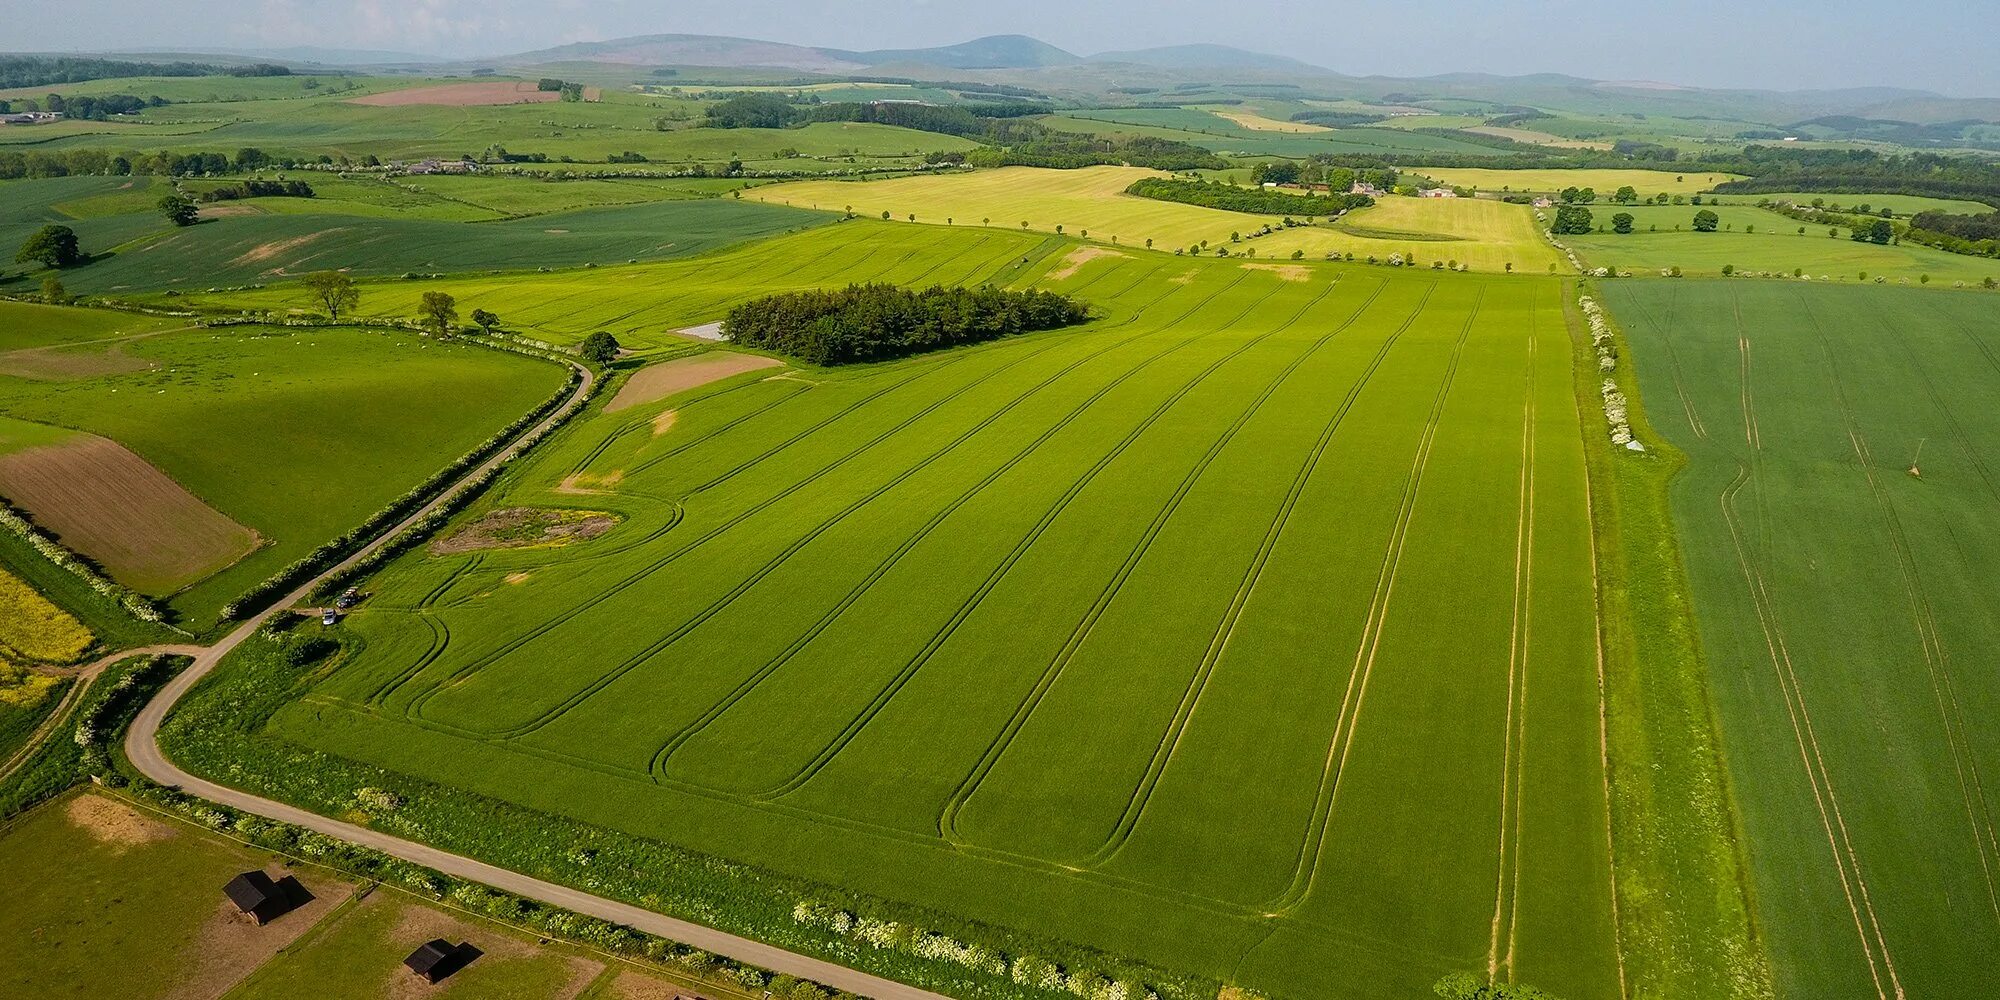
column 263, row 252
column 665, row 421
column 1289, row 272
column 633, row 985
column 584, row 482
column 230, row 946
column 225, row 210
column 102, row 500
column 518, row 578
column 462, row 95
column 419, row 923
column 1079, row 257
column 656, row 382
column 525, row 527
column 109, row 821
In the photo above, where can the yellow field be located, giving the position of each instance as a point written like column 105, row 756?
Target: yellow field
column 1648, row 182
column 1486, row 235
column 1092, row 200
column 1533, row 137
column 1253, row 120
column 31, row 628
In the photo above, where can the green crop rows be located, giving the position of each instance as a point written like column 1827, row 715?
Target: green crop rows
column 1249, row 629
column 1841, row 517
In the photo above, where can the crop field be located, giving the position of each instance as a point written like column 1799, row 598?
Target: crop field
column 33, row 629
column 1841, row 518
column 643, row 304
column 1092, row 203
column 1777, row 249
column 1648, row 182
column 1087, row 632
column 28, row 205
column 256, row 248
column 1900, row 204
column 345, row 421
column 1227, row 137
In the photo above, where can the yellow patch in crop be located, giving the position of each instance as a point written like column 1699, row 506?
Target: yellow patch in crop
column 33, row 628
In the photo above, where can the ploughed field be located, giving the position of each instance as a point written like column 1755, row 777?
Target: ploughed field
column 1247, row 629
column 1841, row 520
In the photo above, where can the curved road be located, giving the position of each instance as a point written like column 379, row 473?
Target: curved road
column 142, row 747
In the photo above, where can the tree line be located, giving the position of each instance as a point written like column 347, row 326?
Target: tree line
column 159, row 163
column 878, row 321
column 1974, row 235
column 92, row 108
column 39, row 71
column 1259, row 201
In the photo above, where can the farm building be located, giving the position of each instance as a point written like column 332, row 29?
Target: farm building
column 258, row 897
column 435, row 960
column 31, row 118
column 1368, row 189
column 1439, row 193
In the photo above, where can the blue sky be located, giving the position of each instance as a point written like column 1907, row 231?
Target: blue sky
column 1942, row 45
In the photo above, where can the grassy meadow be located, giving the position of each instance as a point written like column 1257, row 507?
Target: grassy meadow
column 1838, row 515
column 1777, row 249
column 1223, row 507
column 300, row 435
column 1647, row 182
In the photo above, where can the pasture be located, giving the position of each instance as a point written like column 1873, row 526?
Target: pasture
column 255, row 248
column 1173, row 634
column 1900, row 204
column 644, row 304
column 297, row 436
column 1776, row 247
column 1647, row 182
column 1840, row 518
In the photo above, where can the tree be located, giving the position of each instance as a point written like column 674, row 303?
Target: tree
column 600, row 347
column 179, row 211
column 1705, row 221
column 485, row 320
column 53, row 291
column 1573, row 220
column 1626, row 195
column 1991, row 283
column 1728, row 270
column 438, row 310
column 51, row 246
column 334, row 291
column 1622, row 223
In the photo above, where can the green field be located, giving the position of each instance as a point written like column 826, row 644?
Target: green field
column 1647, row 182
column 1210, row 131
column 1900, row 204
column 256, row 248
column 298, row 435
column 642, row 304
column 1847, row 609
column 1774, row 247
column 1173, row 635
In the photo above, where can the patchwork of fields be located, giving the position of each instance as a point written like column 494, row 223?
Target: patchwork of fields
column 1174, row 635
column 1841, row 519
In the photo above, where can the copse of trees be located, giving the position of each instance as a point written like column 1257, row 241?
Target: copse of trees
column 1213, row 194
column 1978, row 235
column 258, row 189
column 877, row 321
column 1572, row 220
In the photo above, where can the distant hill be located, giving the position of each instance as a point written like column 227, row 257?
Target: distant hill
column 1206, row 57
column 693, row 50
column 991, row 52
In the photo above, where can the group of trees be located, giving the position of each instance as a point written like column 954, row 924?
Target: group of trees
column 878, row 321
column 1213, row 194
column 1978, row 235
column 1573, row 220
column 254, row 188
column 40, row 71
column 564, row 89
column 1069, row 151
column 93, row 108
column 159, row 163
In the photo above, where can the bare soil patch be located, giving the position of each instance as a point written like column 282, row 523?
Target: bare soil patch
column 1079, row 257
column 422, row 923
column 62, row 362
column 230, row 945
column 1289, row 272
column 107, row 503
column 462, row 95
column 518, row 578
column 656, row 382
column 226, row 210
column 665, row 421
column 635, row 985
column 525, row 527
column 265, row 251
column 584, row 482
column 109, row 821
column 704, row 331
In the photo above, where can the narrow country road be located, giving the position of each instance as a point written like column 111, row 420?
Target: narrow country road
column 142, row 747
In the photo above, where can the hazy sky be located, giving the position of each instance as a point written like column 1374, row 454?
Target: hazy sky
column 1943, row 45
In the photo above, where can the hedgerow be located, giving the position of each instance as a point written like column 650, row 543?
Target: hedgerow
column 1257, row 201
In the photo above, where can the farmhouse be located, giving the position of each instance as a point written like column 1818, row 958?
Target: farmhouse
column 1361, row 187
column 1439, row 193
column 258, row 897
column 31, row 118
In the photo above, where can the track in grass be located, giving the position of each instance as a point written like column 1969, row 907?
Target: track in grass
column 1055, row 631
column 1842, row 570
